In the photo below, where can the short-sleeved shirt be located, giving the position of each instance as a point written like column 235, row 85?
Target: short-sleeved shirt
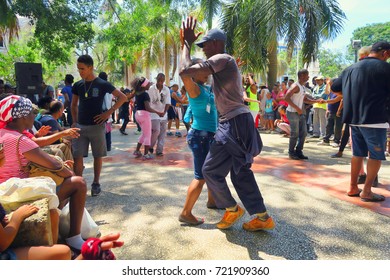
column 91, row 95
column 140, row 99
column 318, row 93
column 67, row 90
column 227, row 86
column 158, row 100
column 11, row 167
column 50, row 121
column 335, row 106
column 366, row 90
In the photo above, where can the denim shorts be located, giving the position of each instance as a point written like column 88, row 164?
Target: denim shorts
column 369, row 141
column 8, row 255
column 199, row 142
column 269, row 116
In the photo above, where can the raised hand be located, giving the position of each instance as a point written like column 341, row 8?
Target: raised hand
column 43, row 131
column 187, row 33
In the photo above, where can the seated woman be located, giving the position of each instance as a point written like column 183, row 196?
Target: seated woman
column 283, row 123
column 50, row 118
column 15, row 117
column 46, row 142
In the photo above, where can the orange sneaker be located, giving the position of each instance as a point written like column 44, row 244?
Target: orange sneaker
column 257, row 224
column 230, row 218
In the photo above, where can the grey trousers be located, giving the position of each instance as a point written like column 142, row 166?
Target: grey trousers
column 159, row 128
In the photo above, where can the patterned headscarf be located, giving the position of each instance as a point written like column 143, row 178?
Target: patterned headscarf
column 14, row 107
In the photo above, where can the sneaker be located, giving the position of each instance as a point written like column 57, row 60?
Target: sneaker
column 137, row 132
column 302, row 156
column 257, row 224
column 169, row 133
column 293, row 156
column 314, row 136
column 123, row 132
column 147, row 156
column 95, row 189
column 337, row 155
column 159, row 154
column 335, row 145
column 323, row 143
column 230, row 218
column 178, row 134
column 137, row 154
column 151, row 150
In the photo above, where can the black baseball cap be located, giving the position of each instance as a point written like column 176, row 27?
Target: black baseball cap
column 212, row 34
column 380, row 46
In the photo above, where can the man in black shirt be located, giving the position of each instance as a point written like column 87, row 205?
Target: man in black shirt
column 365, row 87
column 88, row 115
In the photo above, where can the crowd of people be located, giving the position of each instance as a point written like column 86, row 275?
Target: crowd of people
column 223, row 121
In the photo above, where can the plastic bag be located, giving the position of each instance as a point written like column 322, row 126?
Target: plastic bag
column 88, row 226
column 16, row 190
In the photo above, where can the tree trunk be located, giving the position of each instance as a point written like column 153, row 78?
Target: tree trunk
column 175, row 55
column 272, row 64
column 166, row 55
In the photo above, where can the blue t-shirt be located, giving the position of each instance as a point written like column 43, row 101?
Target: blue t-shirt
column 202, row 119
column 173, row 101
column 68, row 90
column 268, row 105
column 333, row 107
column 50, row 121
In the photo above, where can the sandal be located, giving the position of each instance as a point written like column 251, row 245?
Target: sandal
column 183, row 219
column 355, row 194
column 375, row 198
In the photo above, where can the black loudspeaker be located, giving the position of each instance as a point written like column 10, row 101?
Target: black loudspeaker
column 29, row 80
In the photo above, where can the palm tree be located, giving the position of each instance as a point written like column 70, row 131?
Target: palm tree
column 209, row 9
column 8, row 21
column 254, row 28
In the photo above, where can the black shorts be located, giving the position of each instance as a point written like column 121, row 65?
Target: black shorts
column 172, row 114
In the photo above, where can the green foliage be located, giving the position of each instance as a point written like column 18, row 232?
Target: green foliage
column 60, row 25
column 371, row 34
column 331, row 63
column 17, row 52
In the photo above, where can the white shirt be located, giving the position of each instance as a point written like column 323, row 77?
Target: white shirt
column 158, row 100
column 297, row 98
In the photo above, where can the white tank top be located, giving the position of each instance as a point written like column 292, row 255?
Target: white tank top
column 297, row 98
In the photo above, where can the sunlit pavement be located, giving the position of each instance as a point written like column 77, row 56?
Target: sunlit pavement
column 314, row 217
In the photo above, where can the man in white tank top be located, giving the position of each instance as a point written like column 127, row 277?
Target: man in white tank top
column 296, row 98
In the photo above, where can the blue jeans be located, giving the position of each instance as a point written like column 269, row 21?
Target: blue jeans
column 199, row 142
column 298, row 133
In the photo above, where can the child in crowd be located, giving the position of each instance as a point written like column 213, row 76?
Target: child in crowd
column 283, row 122
column 269, row 115
column 10, row 227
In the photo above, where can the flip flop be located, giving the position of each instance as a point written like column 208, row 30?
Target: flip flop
column 375, row 198
column 199, row 221
column 355, row 194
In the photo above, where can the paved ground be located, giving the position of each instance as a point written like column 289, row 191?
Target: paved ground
column 314, row 218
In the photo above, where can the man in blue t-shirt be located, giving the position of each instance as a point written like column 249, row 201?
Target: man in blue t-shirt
column 88, row 115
